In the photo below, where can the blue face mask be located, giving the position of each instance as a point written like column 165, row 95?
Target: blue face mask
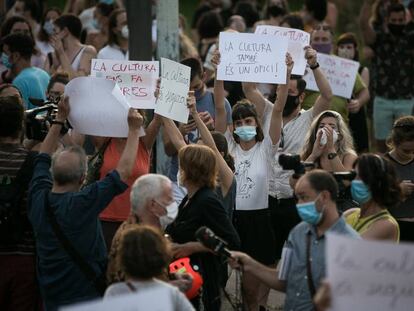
column 246, row 133
column 96, row 24
column 5, row 60
column 107, row 1
column 360, row 191
column 308, row 213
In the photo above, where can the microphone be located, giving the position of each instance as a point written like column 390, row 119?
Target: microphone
column 207, row 237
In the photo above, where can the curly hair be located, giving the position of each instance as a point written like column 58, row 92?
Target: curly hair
column 380, row 177
column 345, row 143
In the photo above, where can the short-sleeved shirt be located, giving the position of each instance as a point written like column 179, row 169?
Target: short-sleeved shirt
column 291, row 141
column 120, row 207
column 32, row 82
column 393, row 64
column 338, row 104
column 178, row 301
column 404, row 172
column 298, row 297
column 112, row 52
column 60, row 279
column 253, row 172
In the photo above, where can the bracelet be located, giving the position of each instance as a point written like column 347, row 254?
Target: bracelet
column 62, row 123
column 315, row 66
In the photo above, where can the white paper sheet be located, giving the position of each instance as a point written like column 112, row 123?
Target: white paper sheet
column 97, row 107
column 249, row 57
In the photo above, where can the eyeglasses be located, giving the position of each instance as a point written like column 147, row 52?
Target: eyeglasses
column 323, row 27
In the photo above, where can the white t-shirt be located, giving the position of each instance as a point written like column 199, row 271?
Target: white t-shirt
column 177, row 300
column 253, row 171
column 112, row 52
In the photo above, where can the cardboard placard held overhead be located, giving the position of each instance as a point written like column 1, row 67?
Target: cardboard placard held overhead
column 370, row 275
column 340, row 73
column 297, row 41
column 97, row 107
column 251, row 57
column 136, row 79
column 175, row 84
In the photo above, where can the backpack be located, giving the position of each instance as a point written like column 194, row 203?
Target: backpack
column 12, row 224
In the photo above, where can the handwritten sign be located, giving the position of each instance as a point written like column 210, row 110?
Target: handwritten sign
column 370, row 275
column 340, row 73
column 250, row 57
column 136, row 79
column 175, row 84
column 97, row 107
column 297, row 41
column 153, row 299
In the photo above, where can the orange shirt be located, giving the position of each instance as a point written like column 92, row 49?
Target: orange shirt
column 119, row 208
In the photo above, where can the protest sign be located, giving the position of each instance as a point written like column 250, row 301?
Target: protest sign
column 370, row 275
column 143, row 300
column 97, row 107
column 297, row 41
column 250, row 57
column 175, row 84
column 136, row 79
column 340, row 73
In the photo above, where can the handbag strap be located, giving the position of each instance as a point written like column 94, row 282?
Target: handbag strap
column 98, row 281
column 101, row 150
column 370, row 219
column 311, row 284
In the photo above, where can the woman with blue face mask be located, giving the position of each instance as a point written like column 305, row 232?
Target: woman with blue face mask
column 376, row 189
column 254, row 151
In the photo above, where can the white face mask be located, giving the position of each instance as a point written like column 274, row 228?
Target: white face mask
column 125, row 32
column 324, row 138
column 346, row 53
column 172, row 211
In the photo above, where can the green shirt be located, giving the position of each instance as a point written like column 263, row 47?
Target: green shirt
column 338, row 104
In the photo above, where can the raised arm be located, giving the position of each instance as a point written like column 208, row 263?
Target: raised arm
column 50, row 143
column 253, row 94
column 220, row 109
column 151, row 132
column 226, row 174
column 127, row 160
column 277, row 111
column 323, row 102
column 173, row 133
column 367, row 31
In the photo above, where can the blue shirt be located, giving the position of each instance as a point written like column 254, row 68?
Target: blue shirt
column 32, row 82
column 298, row 297
column 60, row 279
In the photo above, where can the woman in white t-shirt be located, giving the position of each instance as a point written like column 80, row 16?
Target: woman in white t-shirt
column 254, row 152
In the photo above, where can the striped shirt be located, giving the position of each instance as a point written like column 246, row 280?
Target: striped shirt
column 12, row 156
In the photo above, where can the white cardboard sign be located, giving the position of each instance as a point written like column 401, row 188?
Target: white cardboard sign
column 175, row 84
column 249, row 57
column 297, row 41
column 340, row 73
column 97, row 107
column 136, row 79
column 370, row 275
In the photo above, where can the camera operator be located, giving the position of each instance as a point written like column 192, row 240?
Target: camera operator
column 17, row 247
column 304, row 251
column 296, row 123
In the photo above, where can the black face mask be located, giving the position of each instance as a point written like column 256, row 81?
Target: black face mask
column 275, row 11
column 292, row 103
column 396, row 29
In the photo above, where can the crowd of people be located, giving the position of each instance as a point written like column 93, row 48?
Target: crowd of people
column 83, row 217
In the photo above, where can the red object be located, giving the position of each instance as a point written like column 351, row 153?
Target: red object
column 183, row 265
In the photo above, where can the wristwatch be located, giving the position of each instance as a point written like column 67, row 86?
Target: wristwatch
column 332, row 155
column 314, row 66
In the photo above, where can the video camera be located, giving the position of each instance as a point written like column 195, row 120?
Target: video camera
column 38, row 119
column 292, row 162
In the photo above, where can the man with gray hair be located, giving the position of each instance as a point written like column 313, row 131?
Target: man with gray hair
column 152, row 203
column 71, row 251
